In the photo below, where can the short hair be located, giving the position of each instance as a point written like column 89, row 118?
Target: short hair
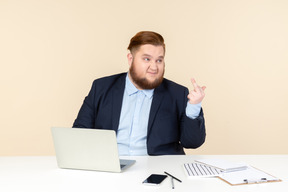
column 146, row 37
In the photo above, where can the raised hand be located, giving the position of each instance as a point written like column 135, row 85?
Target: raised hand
column 197, row 95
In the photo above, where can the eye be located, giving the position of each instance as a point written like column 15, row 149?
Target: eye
column 159, row 61
column 146, row 59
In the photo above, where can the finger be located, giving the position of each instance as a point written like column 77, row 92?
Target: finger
column 196, row 87
column 202, row 89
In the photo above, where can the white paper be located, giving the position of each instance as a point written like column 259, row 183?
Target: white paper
column 223, row 164
column 200, row 170
column 250, row 175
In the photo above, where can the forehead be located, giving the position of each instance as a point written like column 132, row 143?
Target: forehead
column 151, row 50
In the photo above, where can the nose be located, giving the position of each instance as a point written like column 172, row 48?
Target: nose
column 153, row 66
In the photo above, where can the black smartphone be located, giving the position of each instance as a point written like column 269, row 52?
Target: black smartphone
column 154, row 179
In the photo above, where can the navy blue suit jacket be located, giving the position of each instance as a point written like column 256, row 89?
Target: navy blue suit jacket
column 169, row 129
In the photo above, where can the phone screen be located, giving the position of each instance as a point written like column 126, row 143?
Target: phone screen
column 154, row 179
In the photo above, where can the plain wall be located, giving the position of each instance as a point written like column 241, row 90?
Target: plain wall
column 52, row 50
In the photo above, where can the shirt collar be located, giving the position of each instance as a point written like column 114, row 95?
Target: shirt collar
column 131, row 89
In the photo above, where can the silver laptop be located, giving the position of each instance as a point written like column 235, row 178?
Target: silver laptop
column 88, row 149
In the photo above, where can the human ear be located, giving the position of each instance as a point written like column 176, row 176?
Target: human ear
column 130, row 59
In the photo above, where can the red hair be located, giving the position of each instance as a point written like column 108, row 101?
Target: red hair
column 146, row 37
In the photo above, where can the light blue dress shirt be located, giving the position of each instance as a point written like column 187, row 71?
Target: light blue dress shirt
column 132, row 130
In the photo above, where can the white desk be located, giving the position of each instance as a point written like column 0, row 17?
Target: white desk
column 41, row 174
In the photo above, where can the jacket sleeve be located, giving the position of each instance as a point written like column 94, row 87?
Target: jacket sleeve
column 193, row 131
column 86, row 115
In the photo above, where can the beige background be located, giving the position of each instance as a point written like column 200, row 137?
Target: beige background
column 52, row 50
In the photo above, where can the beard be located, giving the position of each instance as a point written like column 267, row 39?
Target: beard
column 144, row 83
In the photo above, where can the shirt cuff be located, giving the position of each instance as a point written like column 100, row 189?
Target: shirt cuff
column 193, row 110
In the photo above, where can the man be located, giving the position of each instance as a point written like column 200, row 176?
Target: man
column 150, row 114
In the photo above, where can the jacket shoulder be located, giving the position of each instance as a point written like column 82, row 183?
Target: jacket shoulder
column 107, row 83
column 110, row 78
column 172, row 86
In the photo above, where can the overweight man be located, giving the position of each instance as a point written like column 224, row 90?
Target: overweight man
column 150, row 114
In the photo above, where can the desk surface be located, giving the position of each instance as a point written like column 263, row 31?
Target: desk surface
column 41, row 174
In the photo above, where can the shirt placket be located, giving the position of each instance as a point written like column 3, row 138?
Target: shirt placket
column 136, row 118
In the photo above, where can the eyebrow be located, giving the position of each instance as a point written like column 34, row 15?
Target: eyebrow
column 147, row 55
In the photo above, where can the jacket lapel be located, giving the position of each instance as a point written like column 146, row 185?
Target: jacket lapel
column 157, row 100
column 117, row 99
